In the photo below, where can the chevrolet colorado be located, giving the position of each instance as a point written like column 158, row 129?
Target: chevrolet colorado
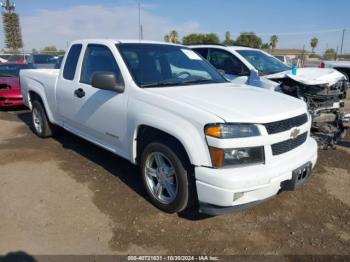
column 196, row 137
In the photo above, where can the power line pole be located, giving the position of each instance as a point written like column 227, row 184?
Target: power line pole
column 342, row 42
column 303, row 56
column 141, row 32
column 336, row 53
column 140, row 25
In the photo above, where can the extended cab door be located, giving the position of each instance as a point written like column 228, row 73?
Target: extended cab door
column 95, row 114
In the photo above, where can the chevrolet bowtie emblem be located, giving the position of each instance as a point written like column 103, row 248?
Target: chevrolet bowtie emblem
column 295, row 132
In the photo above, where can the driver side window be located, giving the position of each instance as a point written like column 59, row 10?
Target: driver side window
column 98, row 58
column 227, row 62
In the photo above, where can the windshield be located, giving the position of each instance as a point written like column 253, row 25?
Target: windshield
column 156, row 65
column 265, row 64
column 12, row 70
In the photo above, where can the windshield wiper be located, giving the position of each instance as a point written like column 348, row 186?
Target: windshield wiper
column 198, row 81
column 162, row 83
column 178, row 83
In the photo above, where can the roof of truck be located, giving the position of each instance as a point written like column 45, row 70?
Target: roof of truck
column 120, row 41
column 221, row 46
column 242, row 48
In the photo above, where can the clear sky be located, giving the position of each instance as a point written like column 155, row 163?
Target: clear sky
column 47, row 22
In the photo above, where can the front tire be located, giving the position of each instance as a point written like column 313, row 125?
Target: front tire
column 167, row 178
column 41, row 124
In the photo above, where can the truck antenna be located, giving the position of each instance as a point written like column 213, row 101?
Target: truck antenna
column 140, row 25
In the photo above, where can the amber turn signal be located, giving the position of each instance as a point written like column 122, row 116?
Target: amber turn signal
column 217, row 156
column 214, row 131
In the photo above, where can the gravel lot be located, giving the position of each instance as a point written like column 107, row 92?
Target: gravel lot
column 67, row 196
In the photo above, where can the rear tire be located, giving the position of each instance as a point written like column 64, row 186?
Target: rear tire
column 168, row 179
column 41, row 125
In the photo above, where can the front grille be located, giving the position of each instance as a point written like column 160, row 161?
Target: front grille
column 288, row 145
column 284, row 125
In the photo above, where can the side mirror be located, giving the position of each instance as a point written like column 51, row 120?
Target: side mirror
column 106, row 81
column 243, row 71
column 254, row 79
column 254, row 74
column 222, row 72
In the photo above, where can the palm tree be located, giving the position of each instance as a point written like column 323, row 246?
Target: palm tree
column 228, row 39
column 174, row 37
column 274, row 41
column 11, row 24
column 314, row 43
column 166, row 38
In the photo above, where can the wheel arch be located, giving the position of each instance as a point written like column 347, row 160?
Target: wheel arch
column 35, row 95
column 147, row 134
column 193, row 146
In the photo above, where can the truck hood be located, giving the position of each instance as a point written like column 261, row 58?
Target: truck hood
column 311, row 76
column 235, row 103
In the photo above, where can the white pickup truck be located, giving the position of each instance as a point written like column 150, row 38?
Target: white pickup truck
column 196, row 137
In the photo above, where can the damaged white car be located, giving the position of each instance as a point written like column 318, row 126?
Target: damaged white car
column 322, row 89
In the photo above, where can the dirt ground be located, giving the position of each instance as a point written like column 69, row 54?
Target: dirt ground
column 67, row 196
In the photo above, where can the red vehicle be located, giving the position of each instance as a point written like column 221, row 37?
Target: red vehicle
column 10, row 90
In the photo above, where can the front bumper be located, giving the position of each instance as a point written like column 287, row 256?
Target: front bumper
column 232, row 189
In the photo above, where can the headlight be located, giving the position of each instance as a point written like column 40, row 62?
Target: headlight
column 237, row 156
column 232, row 130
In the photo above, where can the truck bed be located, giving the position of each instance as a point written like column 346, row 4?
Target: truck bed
column 43, row 82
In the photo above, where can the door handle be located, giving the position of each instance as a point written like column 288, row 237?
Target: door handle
column 79, row 93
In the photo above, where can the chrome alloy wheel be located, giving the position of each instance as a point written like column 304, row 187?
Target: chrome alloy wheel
column 161, row 178
column 37, row 120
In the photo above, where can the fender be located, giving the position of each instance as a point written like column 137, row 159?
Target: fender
column 193, row 142
column 37, row 87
